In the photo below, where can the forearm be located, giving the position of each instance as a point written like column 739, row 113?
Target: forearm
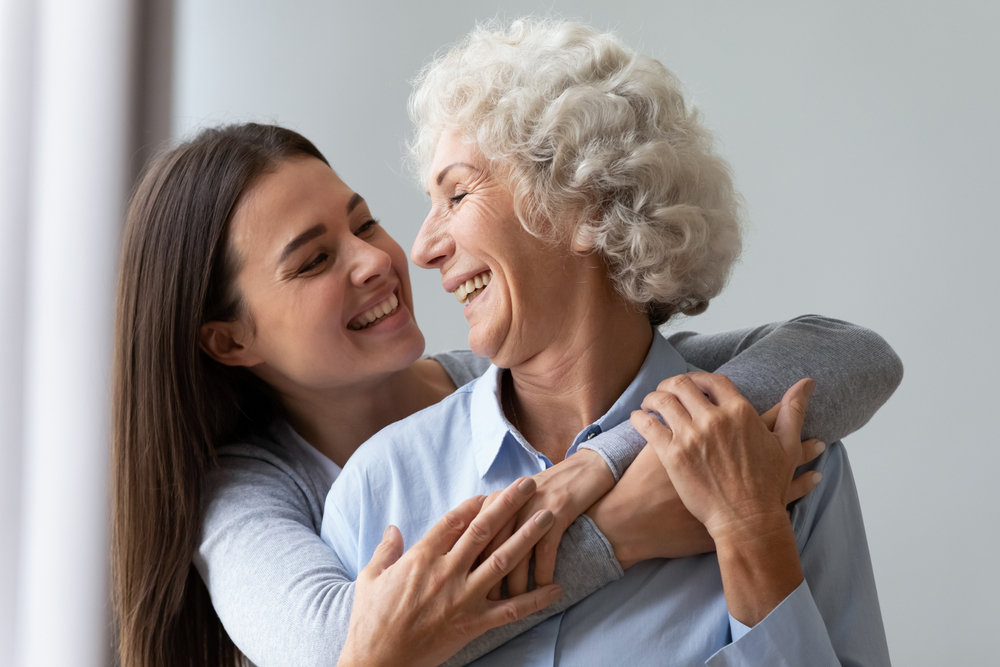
column 855, row 369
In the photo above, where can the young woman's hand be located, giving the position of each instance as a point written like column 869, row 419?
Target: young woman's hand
column 567, row 489
column 421, row 607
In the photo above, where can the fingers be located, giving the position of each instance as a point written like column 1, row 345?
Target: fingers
column 490, row 521
column 443, row 535
column 496, row 543
column 517, row 580
column 788, row 426
column 545, row 556
column 719, row 388
column 386, row 553
column 810, row 450
column 669, row 407
column 802, row 485
column 513, row 551
column 650, row 428
column 771, row 416
column 517, row 608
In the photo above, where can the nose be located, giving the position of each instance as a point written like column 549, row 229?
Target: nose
column 370, row 263
column 434, row 244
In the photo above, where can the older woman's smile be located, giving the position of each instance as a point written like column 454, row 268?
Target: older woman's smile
column 473, row 287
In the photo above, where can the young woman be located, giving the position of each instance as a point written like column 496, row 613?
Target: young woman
column 265, row 330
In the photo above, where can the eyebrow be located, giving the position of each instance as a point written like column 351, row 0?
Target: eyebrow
column 353, row 203
column 450, row 166
column 303, row 238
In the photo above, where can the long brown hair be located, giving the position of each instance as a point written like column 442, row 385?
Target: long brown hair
column 172, row 404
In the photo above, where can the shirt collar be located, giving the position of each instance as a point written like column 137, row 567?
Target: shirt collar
column 490, row 428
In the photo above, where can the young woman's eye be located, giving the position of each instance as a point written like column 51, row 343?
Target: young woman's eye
column 316, row 261
column 366, row 227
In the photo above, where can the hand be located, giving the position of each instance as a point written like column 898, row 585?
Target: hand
column 725, row 462
column 567, row 489
column 733, row 473
column 643, row 516
column 420, row 607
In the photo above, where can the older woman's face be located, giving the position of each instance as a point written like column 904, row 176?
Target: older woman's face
column 515, row 288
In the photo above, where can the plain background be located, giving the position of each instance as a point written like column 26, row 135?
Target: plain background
column 865, row 140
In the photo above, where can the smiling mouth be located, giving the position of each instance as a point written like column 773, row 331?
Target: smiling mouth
column 473, row 287
column 375, row 315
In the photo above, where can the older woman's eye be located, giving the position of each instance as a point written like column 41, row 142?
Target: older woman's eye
column 457, row 198
column 317, row 260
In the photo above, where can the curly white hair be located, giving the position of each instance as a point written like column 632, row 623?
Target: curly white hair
column 597, row 145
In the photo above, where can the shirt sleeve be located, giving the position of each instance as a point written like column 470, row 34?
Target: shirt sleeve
column 855, row 371
column 268, row 571
column 833, row 617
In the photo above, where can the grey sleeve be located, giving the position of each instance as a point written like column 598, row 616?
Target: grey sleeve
column 855, row 371
column 280, row 592
column 285, row 598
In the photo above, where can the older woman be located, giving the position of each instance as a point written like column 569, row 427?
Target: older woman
column 577, row 203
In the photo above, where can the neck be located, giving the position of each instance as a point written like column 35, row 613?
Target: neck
column 560, row 391
column 337, row 422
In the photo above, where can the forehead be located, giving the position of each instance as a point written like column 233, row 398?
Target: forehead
column 300, row 193
column 453, row 150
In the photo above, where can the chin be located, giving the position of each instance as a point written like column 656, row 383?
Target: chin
column 487, row 345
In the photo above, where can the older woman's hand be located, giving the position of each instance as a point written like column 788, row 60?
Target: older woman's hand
column 733, row 474
column 567, row 489
column 644, row 517
column 420, row 607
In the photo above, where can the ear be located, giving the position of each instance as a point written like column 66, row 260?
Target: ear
column 228, row 343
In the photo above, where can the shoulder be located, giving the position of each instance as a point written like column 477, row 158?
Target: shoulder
column 265, row 474
column 422, row 438
column 463, row 366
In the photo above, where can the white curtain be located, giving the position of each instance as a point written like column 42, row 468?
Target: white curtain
column 66, row 130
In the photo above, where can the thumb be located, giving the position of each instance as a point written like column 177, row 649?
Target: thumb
column 792, row 413
column 387, row 552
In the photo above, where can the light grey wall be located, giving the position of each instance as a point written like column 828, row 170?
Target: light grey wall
column 864, row 138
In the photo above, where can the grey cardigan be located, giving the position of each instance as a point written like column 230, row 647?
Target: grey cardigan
column 285, row 599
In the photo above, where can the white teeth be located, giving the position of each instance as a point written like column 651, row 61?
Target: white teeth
column 470, row 289
column 381, row 310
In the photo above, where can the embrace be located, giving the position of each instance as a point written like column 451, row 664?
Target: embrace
column 576, row 490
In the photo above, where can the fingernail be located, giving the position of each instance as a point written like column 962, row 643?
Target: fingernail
column 385, row 533
column 816, row 477
column 527, row 486
column 810, row 388
column 557, row 592
column 543, row 518
column 820, row 447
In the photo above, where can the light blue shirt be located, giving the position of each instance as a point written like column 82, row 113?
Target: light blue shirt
column 662, row 612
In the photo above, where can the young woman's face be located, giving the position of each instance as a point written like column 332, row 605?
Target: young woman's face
column 326, row 286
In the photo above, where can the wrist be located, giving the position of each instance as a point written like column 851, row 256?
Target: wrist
column 760, row 567
column 609, row 517
column 596, row 467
